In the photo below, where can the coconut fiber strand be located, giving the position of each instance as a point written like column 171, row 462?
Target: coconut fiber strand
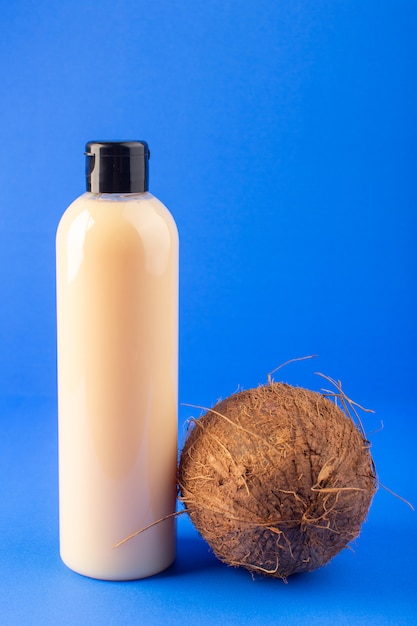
column 277, row 479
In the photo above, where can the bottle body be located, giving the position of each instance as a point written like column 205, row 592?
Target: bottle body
column 117, row 331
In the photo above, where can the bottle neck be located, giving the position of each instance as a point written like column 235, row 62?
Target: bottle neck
column 117, row 197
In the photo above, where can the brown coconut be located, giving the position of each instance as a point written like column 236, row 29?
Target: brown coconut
column 277, row 479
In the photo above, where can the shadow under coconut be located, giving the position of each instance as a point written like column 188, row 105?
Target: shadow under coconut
column 193, row 555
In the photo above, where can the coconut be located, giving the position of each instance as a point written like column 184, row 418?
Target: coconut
column 277, row 479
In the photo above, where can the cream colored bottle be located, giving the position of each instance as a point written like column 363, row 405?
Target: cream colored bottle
column 117, row 335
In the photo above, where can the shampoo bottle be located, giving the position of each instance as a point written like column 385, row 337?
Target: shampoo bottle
column 117, row 342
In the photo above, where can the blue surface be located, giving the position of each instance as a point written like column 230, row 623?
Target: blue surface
column 283, row 139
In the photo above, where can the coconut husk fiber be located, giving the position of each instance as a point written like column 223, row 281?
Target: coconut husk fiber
column 277, row 479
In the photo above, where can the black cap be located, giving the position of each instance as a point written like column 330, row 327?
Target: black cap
column 117, row 166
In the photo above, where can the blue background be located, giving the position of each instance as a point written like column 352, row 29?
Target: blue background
column 283, row 138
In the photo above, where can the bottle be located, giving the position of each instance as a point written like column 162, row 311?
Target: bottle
column 117, row 345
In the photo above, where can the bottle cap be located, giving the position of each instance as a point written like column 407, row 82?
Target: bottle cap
column 117, row 166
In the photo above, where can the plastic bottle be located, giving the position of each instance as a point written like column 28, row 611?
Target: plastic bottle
column 117, row 336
